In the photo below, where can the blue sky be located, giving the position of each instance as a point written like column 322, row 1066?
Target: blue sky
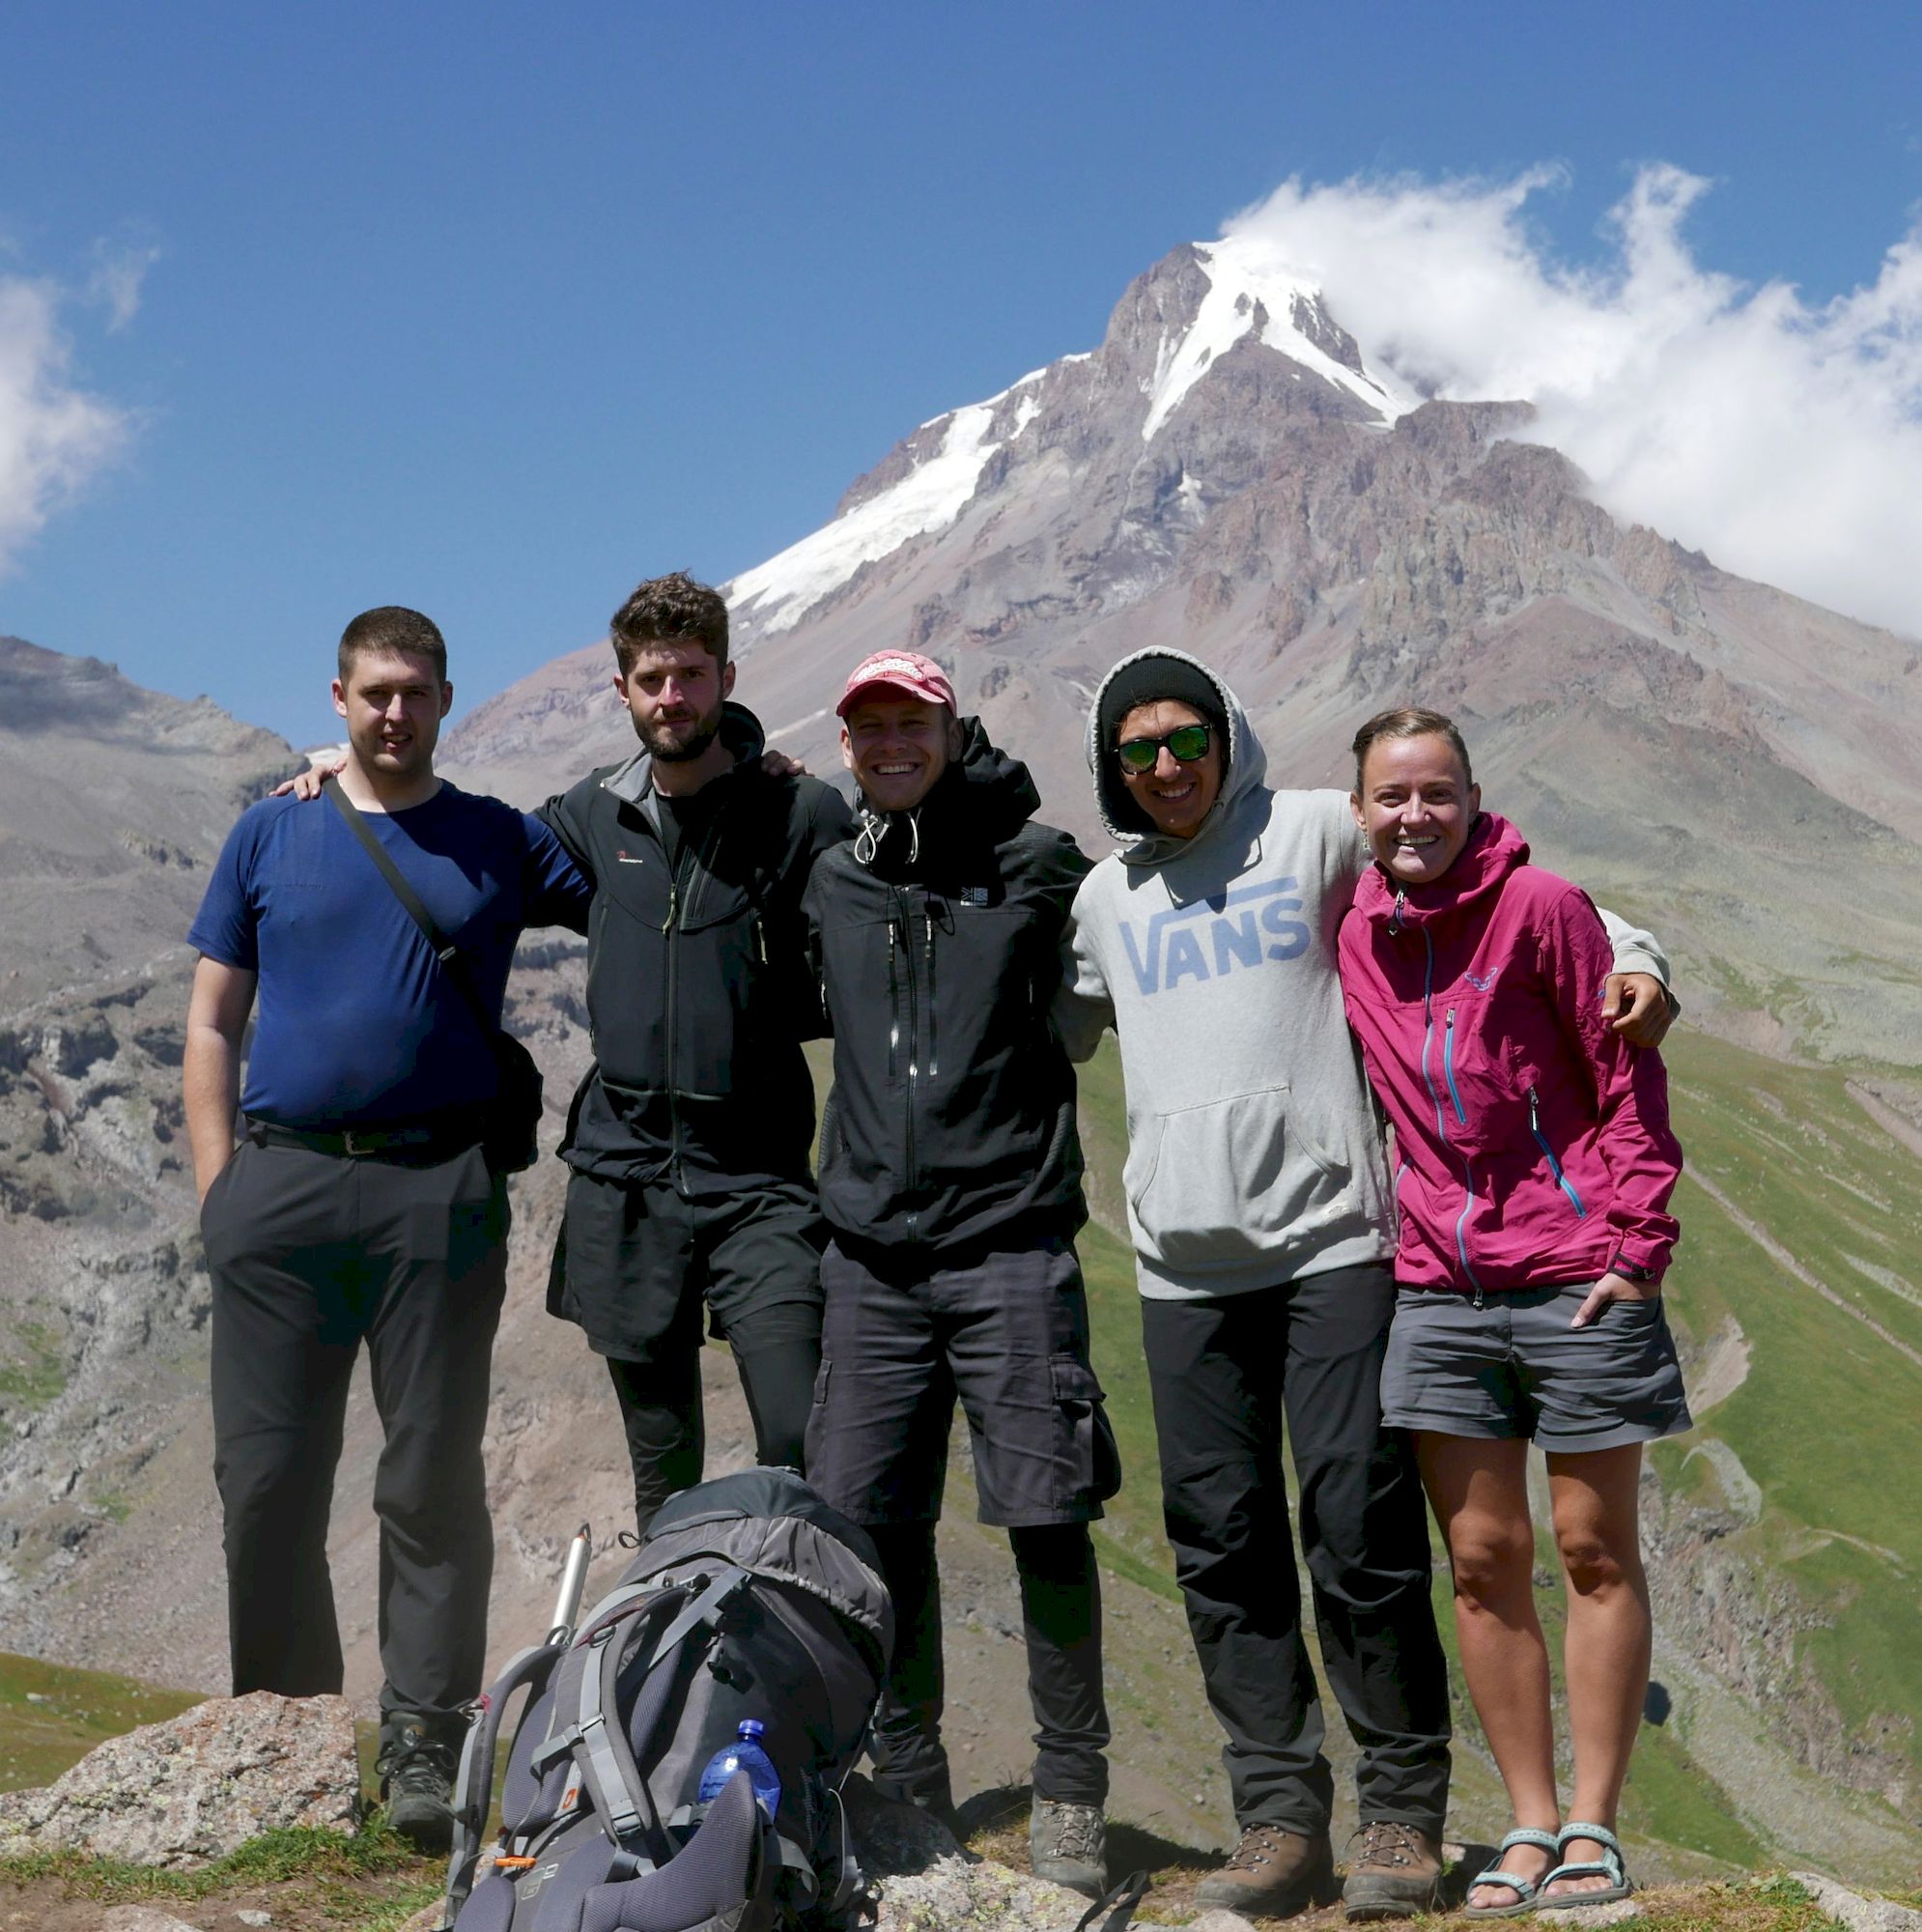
column 494, row 311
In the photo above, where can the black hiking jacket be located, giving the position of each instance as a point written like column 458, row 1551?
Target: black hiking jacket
column 936, row 936
column 698, row 990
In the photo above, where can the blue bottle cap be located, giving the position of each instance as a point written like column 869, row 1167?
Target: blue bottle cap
column 751, row 1727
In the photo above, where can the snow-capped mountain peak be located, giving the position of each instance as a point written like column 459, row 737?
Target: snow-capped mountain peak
column 1198, row 305
column 1252, row 289
column 777, row 593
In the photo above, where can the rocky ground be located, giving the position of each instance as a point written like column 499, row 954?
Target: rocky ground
column 239, row 1813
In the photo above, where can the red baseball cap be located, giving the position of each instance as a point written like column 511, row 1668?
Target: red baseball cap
column 906, row 672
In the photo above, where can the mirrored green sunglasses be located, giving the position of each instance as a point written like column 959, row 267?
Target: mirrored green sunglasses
column 1185, row 744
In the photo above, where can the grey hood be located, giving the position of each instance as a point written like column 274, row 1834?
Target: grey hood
column 1120, row 818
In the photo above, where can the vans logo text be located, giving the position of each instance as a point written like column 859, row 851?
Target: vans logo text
column 1210, row 938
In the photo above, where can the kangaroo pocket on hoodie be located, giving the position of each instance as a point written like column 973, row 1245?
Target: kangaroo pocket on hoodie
column 1211, row 1185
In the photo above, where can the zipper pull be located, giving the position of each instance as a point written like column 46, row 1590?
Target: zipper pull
column 1401, row 900
column 673, row 900
column 1534, row 1113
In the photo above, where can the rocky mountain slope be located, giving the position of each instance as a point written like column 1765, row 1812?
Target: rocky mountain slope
column 1228, row 473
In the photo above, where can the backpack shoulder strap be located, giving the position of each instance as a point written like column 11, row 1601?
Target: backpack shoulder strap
column 443, row 949
column 598, row 1738
column 474, row 1784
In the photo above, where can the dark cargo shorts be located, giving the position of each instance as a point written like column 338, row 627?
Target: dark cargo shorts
column 1514, row 1368
column 1007, row 1335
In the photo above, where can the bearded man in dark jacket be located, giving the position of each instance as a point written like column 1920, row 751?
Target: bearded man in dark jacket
column 687, row 1141
column 950, row 1181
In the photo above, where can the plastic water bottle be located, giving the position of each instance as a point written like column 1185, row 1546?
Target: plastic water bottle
column 745, row 1754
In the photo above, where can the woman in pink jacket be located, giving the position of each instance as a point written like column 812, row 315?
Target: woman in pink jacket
column 1534, row 1168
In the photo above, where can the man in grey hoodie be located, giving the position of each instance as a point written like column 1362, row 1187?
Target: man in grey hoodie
column 1263, row 1220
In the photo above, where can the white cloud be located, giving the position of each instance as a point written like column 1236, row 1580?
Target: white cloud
column 54, row 437
column 119, row 268
column 1782, row 438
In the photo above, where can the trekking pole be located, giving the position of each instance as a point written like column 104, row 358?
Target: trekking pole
column 567, row 1606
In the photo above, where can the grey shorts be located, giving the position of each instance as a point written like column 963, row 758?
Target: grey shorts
column 1514, row 1368
column 1007, row 1335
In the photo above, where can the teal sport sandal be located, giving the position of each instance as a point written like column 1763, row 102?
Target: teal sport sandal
column 1525, row 1890
column 1608, row 1866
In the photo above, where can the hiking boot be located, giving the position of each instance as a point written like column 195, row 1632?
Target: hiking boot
column 1069, row 1845
column 1395, row 1873
column 1273, row 1873
column 417, row 1782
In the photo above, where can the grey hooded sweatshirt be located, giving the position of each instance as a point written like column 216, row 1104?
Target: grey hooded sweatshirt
column 1255, row 1151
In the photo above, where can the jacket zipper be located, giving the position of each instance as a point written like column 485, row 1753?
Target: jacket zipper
column 894, row 1000
column 1434, row 1094
column 679, row 911
column 914, row 1046
column 1562, row 1180
column 674, row 1033
column 933, row 1052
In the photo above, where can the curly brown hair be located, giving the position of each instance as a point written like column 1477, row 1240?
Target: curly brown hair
column 671, row 609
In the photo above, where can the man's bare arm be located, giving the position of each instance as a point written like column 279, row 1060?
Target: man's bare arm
column 216, row 1022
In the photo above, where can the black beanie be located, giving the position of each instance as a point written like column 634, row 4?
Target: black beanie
column 1149, row 680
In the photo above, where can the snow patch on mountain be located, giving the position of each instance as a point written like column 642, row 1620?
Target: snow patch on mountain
column 779, row 593
column 1249, row 279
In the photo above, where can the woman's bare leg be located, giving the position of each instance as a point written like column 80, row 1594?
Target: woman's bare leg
column 1606, row 1656
column 1479, row 1492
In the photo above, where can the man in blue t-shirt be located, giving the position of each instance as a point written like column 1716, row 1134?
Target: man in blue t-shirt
column 358, row 1204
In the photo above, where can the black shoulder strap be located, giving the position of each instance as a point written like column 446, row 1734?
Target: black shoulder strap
column 445, row 949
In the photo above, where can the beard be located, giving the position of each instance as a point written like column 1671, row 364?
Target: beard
column 681, row 742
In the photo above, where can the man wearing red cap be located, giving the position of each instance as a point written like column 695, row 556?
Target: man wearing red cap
column 950, row 1181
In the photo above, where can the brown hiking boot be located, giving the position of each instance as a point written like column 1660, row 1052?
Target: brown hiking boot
column 1067, row 1844
column 1272, row 1873
column 1395, row 1873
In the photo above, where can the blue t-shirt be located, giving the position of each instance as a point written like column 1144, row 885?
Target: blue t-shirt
column 356, row 1022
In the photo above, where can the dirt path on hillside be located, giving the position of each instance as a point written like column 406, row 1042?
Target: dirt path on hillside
column 1787, row 1262
column 1898, row 1126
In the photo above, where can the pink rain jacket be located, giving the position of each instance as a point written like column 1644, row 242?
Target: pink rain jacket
column 1534, row 1144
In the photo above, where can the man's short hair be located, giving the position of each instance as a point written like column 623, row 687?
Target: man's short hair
column 672, row 610
column 393, row 627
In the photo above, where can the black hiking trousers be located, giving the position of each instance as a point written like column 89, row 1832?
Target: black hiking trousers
column 640, row 1265
column 1224, row 1374
column 312, row 1255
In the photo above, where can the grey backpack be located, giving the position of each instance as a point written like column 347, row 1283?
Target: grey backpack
column 748, row 1598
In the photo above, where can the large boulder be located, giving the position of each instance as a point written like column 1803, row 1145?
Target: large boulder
column 198, row 1786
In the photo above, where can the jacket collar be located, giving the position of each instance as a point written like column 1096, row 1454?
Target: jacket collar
column 1494, row 849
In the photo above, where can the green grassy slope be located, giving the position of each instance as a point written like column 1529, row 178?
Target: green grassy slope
column 51, row 1716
